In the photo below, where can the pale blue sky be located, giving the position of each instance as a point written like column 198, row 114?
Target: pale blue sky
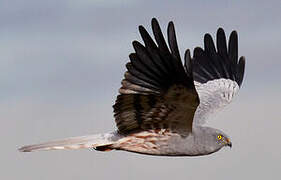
column 61, row 64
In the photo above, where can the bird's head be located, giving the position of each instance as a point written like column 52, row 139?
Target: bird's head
column 222, row 139
column 213, row 139
column 218, row 139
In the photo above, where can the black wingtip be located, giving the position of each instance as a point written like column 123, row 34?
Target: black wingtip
column 141, row 28
column 212, row 64
column 207, row 39
column 187, row 63
column 209, row 44
column 221, row 38
column 155, row 25
column 172, row 40
column 198, row 51
column 171, row 28
column 136, row 43
column 207, row 36
column 171, row 25
column 234, row 33
column 221, row 43
column 233, row 47
column 243, row 59
column 220, row 30
column 132, row 55
column 241, row 70
column 154, row 21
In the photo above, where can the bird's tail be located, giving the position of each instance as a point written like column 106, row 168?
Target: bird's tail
column 99, row 141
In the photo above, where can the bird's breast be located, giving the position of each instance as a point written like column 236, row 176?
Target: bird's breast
column 157, row 142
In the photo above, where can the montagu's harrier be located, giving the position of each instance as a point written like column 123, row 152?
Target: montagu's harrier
column 162, row 103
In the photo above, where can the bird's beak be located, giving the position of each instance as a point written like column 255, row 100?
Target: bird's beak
column 228, row 143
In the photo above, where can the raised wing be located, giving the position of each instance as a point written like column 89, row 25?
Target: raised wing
column 217, row 73
column 157, row 92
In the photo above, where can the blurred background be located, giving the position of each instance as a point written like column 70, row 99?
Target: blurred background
column 61, row 63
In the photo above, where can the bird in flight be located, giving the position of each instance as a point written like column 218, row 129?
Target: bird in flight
column 163, row 103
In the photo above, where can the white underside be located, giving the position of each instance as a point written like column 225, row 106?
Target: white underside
column 213, row 95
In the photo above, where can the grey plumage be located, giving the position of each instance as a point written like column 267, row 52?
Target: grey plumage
column 162, row 103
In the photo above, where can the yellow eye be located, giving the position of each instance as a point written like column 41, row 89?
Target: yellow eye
column 219, row 137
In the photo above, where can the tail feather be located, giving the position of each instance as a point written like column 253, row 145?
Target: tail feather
column 82, row 142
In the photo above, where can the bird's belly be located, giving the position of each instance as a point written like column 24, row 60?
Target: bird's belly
column 157, row 142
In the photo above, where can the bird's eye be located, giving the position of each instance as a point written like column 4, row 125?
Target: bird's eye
column 219, row 137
